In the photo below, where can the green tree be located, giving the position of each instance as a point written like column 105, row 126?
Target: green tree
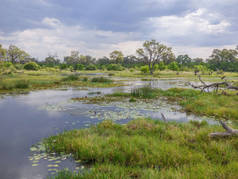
column 15, row 54
column 153, row 52
column 173, row 66
column 3, row 53
column 225, row 59
column 117, row 56
column 52, row 60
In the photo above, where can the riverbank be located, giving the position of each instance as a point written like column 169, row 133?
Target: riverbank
column 29, row 81
column 146, row 148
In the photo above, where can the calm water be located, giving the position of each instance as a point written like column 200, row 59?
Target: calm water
column 27, row 119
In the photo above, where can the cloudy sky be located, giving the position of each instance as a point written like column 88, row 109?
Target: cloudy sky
column 43, row 27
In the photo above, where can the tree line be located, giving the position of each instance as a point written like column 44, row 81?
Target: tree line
column 150, row 57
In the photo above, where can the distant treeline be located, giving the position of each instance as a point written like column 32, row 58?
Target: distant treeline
column 153, row 56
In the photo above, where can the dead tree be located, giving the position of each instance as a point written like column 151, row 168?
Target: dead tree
column 203, row 87
column 229, row 131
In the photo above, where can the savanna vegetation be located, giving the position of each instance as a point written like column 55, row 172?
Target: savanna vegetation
column 143, row 148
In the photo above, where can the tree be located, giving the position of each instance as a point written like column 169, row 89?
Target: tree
column 3, row 53
column 225, row 59
column 52, row 60
column 184, row 60
column 73, row 59
column 15, row 54
column 117, row 56
column 153, row 52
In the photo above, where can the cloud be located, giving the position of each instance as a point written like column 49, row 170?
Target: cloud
column 190, row 27
column 55, row 37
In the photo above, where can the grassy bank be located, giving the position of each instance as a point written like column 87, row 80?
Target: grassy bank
column 193, row 101
column 149, row 149
column 27, row 81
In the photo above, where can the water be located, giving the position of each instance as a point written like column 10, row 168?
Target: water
column 26, row 119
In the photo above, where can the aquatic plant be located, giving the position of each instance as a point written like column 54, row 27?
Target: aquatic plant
column 101, row 80
column 145, row 148
column 71, row 78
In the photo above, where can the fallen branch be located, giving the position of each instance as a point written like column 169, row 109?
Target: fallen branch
column 215, row 86
column 229, row 131
column 163, row 117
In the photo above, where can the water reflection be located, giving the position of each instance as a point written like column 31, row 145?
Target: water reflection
column 27, row 119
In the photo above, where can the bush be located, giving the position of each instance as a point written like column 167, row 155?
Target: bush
column 144, row 69
column 91, row 67
column 31, row 66
column 101, row 80
column 79, row 67
column 114, row 67
column 161, row 66
column 173, row 66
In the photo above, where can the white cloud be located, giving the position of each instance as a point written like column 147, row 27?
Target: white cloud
column 55, row 37
column 200, row 21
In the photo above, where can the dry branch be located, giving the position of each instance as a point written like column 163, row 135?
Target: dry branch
column 215, row 86
column 229, row 131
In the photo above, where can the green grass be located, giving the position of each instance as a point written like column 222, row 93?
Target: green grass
column 149, row 149
column 25, row 81
column 192, row 101
column 101, row 80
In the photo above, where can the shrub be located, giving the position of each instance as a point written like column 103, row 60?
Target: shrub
column 31, row 66
column 85, row 79
column 101, row 80
column 173, row 66
column 144, row 69
column 161, row 66
column 114, row 67
column 91, row 67
column 79, row 67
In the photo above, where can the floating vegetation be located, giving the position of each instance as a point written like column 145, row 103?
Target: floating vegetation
column 52, row 161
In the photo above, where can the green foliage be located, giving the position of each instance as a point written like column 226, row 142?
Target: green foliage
column 71, row 78
column 101, row 80
column 153, row 52
column 81, row 67
column 173, row 66
column 31, row 66
column 117, row 56
column 114, row 67
column 201, row 68
column 144, row 92
column 144, row 69
column 148, row 149
column 91, row 67
column 161, row 66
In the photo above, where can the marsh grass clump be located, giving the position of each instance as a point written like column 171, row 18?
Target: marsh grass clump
column 146, row 147
column 22, row 84
column 101, row 80
column 144, row 92
column 71, row 78
column 17, row 84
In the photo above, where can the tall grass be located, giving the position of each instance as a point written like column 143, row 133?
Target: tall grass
column 101, row 80
column 146, row 148
column 144, row 92
column 71, row 78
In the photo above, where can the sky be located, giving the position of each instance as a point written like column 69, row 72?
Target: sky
column 96, row 28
